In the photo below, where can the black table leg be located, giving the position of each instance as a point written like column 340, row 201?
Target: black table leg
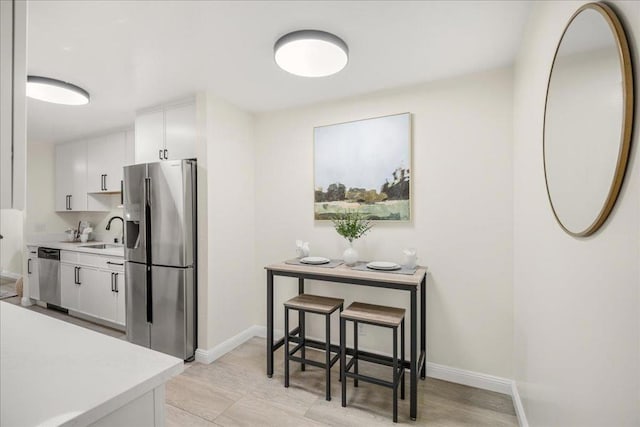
column 269, row 323
column 423, row 326
column 301, row 321
column 414, row 371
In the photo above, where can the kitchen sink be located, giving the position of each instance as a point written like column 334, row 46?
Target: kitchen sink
column 101, row 246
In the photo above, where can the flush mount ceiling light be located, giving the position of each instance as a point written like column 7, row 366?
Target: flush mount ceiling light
column 56, row 91
column 311, row 53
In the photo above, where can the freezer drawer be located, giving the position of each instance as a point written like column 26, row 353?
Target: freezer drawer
column 172, row 326
column 161, row 316
column 135, row 276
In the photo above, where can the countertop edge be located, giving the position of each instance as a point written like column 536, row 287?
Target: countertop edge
column 77, row 247
column 105, row 408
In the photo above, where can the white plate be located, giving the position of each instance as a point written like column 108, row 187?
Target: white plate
column 315, row 260
column 383, row 265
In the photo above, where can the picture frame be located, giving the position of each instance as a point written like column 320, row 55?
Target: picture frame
column 364, row 166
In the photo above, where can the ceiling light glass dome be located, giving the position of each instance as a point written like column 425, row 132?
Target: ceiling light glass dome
column 56, row 91
column 311, row 53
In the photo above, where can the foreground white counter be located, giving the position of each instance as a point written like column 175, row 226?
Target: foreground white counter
column 56, row 373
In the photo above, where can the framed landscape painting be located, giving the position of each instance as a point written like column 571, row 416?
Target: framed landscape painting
column 364, row 166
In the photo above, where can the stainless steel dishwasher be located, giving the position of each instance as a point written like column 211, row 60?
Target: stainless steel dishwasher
column 49, row 275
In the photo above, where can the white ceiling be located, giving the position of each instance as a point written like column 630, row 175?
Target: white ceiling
column 134, row 54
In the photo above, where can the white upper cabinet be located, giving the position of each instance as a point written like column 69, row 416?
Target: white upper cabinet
column 149, row 139
column 180, row 132
column 166, row 134
column 88, row 170
column 105, row 159
column 71, row 176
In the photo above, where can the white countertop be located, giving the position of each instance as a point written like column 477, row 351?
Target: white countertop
column 78, row 247
column 53, row 372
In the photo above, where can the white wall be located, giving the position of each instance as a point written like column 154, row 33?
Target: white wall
column 576, row 300
column 462, row 213
column 11, row 245
column 230, row 150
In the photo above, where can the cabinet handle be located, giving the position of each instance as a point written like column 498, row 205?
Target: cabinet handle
column 160, row 154
column 70, row 195
column 105, row 182
column 77, row 274
column 165, row 154
column 114, row 263
column 121, row 192
column 112, row 283
column 68, row 206
column 29, row 266
column 115, row 281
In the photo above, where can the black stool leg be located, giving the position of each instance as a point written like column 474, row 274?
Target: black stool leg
column 327, row 349
column 343, row 359
column 286, row 347
column 395, row 374
column 355, row 352
column 303, row 337
column 402, row 357
column 340, row 360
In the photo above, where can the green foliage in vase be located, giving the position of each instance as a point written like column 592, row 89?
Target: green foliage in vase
column 351, row 225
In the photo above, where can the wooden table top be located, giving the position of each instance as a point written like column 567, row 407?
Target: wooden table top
column 343, row 271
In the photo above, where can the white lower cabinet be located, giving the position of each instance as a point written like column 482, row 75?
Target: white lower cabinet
column 69, row 287
column 33, row 283
column 91, row 289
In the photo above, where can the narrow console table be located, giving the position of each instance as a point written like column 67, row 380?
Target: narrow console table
column 346, row 275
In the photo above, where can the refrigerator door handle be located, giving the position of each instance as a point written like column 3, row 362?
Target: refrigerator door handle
column 149, row 296
column 147, row 190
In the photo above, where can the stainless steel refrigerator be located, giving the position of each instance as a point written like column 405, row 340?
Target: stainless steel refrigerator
column 160, row 256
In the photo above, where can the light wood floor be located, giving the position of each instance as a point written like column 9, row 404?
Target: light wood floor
column 235, row 391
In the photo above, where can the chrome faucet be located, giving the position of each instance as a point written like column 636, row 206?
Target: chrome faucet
column 108, row 227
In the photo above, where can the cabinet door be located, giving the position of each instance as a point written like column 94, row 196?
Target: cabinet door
column 180, row 128
column 105, row 160
column 64, row 176
column 71, row 176
column 69, row 289
column 79, row 167
column 149, row 137
column 96, row 297
column 119, row 296
column 32, row 274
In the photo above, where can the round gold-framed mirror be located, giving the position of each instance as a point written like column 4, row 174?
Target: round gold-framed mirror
column 588, row 119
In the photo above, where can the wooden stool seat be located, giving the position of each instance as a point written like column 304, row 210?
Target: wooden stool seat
column 377, row 315
column 314, row 303
column 374, row 314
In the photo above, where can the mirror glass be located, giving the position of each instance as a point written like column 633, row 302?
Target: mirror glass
column 587, row 120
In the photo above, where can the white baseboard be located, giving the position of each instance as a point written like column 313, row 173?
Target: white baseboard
column 517, row 404
column 209, row 355
column 9, row 275
column 470, row 378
